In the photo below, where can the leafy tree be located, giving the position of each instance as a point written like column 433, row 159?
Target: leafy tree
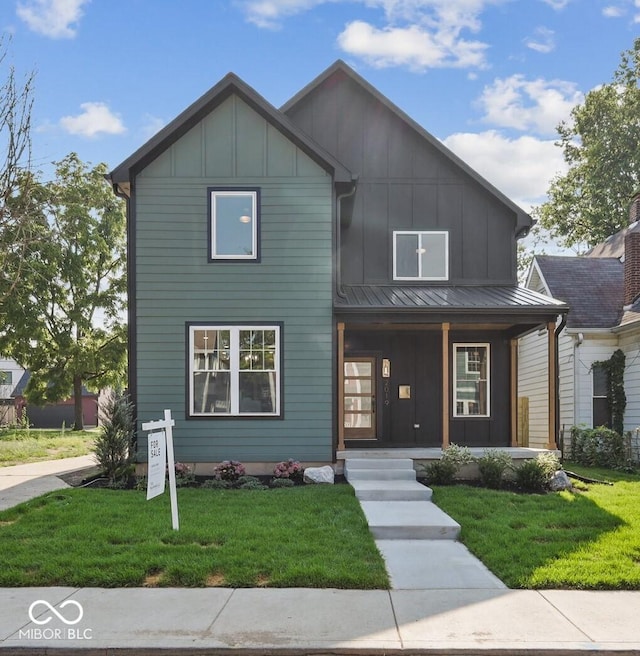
column 17, row 229
column 64, row 321
column 601, row 145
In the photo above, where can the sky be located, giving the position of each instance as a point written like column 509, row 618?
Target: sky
column 490, row 78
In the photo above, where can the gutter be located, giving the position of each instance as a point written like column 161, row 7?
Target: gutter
column 339, row 199
column 559, row 329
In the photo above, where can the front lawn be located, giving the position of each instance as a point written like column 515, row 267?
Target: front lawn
column 586, row 539
column 20, row 446
column 312, row 536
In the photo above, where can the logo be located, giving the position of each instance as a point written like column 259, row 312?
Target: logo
column 60, row 616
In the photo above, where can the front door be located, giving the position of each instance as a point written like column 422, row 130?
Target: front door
column 360, row 398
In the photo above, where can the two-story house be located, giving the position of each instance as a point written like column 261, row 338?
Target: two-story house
column 322, row 276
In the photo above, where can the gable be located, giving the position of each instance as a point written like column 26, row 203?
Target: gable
column 233, row 141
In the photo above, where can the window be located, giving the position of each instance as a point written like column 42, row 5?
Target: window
column 420, row 255
column 233, row 224
column 6, row 377
column 234, row 371
column 601, row 412
column 471, row 380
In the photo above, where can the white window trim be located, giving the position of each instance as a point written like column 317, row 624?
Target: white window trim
column 457, row 345
column 419, row 234
column 234, row 370
column 254, row 227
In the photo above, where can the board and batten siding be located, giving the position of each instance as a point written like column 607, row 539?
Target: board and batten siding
column 629, row 342
column 175, row 284
column 533, row 376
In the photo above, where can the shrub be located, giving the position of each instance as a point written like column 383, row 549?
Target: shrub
column 535, row 475
column 184, row 476
column 550, row 464
column 113, row 446
column 216, row 484
column 289, row 469
column 493, row 466
column 229, row 470
column 250, row 483
column 282, row 482
column 597, row 447
column 443, row 471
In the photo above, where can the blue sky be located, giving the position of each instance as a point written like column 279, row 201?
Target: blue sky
column 490, row 78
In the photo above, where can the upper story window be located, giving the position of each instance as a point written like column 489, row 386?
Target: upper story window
column 6, row 377
column 233, row 224
column 420, row 255
column 234, row 371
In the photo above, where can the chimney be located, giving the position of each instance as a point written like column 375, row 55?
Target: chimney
column 631, row 266
column 634, row 209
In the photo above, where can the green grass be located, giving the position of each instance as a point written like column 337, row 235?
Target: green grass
column 587, row 539
column 20, row 446
column 311, row 536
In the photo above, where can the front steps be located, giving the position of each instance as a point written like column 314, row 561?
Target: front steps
column 417, row 540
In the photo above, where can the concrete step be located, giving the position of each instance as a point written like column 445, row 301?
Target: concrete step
column 378, row 463
column 394, row 490
column 409, row 520
column 379, row 475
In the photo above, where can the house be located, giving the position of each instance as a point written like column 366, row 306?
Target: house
column 602, row 290
column 10, row 374
column 320, row 277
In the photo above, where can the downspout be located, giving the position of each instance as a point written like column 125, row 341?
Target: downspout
column 559, row 329
column 339, row 199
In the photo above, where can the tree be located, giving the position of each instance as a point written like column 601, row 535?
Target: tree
column 17, row 230
column 601, row 145
column 65, row 320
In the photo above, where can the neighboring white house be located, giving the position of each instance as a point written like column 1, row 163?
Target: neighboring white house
column 602, row 290
column 10, row 375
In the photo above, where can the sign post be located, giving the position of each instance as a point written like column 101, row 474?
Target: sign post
column 161, row 439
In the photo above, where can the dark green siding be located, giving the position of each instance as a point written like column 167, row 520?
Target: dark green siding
column 292, row 284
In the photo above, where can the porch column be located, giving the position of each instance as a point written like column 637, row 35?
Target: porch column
column 553, row 375
column 340, row 386
column 445, row 385
column 514, row 392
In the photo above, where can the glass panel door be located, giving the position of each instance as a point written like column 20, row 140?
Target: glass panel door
column 359, row 398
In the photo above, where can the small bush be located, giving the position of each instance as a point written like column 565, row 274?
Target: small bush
column 113, row 446
column 247, row 479
column 282, row 482
column 597, row 447
column 216, row 484
column 229, row 470
column 550, row 464
column 493, row 466
column 184, row 475
column 250, row 483
column 535, row 475
column 443, row 471
column 289, row 469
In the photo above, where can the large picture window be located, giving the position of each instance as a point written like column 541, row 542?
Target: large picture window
column 233, row 224
column 420, row 255
column 234, row 370
column 471, row 380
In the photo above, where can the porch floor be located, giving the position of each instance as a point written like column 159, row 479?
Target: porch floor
column 434, row 453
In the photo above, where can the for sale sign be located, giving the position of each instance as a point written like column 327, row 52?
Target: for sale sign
column 157, row 462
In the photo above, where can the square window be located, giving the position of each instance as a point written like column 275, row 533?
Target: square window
column 234, row 371
column 6, row 377
column 233, row 224
column 471, row 382
column 420, row 255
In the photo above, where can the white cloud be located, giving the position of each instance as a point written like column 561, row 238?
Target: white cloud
column 542, row 40
column 96, row 118
column 522, row 104
column 613, row 12
column 409, row 46
column 557, row 4
column 521, row 168
column 53, row 18
column 151, row 125
column 269, row 13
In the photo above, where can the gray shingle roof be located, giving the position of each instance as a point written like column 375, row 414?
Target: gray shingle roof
column 591, row 286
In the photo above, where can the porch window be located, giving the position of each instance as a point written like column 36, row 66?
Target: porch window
column 471, row 380
column 234, row 370
column 233, row 224
column 601, row 412
column 420, row 255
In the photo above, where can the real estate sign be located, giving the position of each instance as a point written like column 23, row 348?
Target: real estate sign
column 156, row 466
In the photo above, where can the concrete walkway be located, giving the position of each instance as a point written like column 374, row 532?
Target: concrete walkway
column 435, row 621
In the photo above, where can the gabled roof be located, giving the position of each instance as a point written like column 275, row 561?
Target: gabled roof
column 524, row 220
column 591, row 286
column 26, row 376
column 229, row 85
column 613, row 246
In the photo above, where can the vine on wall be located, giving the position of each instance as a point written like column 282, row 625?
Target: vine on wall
column 616, row 396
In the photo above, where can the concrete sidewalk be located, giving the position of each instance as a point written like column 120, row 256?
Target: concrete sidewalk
column 304, row 621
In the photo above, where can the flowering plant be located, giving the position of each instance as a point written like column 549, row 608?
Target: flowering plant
column 289, row 469
column 229, row 470
column 184, row 474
